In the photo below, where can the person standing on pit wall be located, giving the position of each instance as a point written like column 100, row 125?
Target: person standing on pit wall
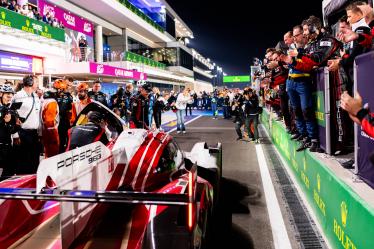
column 27, row 141
column 97, row 95
column 181, row 103
column 302, row 62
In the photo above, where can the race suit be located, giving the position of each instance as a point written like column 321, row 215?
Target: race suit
column 50, row 122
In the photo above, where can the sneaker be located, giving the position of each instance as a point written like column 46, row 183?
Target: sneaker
column 178, row 132
column 304, row 145
column 314, row 146
column 184, row 132
column 301, row 138
column 296, row 136
column 239, row 138
column 257, row 141
column 348, row 164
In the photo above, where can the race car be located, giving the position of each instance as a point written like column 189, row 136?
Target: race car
column 169, row 195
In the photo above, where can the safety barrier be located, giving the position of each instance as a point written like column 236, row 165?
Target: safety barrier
column 346, row 219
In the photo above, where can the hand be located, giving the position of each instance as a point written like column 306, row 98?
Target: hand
column 18, row 122
column 7, row 118
column 287, row 59
column 292, row 52
column 347, row 35
column 351, row 105
column 355, row 119
column 272, row 64
column 333, row 65
column 17, row 141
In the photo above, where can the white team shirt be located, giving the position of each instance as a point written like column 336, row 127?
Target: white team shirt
column 33, row 122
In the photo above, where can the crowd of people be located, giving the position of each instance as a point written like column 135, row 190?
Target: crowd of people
column 31, row 12
column 287, row 76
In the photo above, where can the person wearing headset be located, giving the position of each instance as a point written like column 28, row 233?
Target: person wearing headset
column 26, row 140
column 302, row 62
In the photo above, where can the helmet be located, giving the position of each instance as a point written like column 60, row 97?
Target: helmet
column 6, row 89
column 83, row 86
column 60, row 84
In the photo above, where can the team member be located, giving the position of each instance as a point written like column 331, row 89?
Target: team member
column 88, row 133
column 9, row 124
column 97, row 95
column 83, row 97
column 302, row 62
column 181, row 104
column 56, row 118
column 27, row 138
column 139, row 114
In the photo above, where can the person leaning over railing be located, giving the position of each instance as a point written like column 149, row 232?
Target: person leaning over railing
column 359, row 114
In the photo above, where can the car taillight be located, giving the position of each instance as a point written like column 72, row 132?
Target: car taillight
column 190, row 212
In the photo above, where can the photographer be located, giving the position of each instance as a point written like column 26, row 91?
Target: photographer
column 251, row 108
column 9, row 123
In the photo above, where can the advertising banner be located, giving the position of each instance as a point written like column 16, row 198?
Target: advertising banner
column 364, row 85
column 12, row 62
column 68, row 19
column 320, row 108
column 17, row 21
column 101, row 69
column 143, row 60
column 236, row 79
column 345, row 218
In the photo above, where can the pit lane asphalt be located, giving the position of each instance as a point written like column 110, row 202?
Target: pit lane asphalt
column 243, row 220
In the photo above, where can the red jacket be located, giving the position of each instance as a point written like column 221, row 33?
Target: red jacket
column 368, row 124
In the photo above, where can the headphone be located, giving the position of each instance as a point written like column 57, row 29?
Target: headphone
column 28, row 80
column 312, row 29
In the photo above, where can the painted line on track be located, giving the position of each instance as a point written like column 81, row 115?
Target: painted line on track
column 278, row 227
column 188, row 122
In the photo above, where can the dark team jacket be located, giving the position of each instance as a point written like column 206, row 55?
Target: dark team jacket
column 140, row 109
column 7, row 129
column 366, row 40
column 279, row 75
column 99, row 97
column 316, row 54
column 86, row 134
column 367, row 121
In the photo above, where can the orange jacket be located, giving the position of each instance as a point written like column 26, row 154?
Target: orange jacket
column 50, row 120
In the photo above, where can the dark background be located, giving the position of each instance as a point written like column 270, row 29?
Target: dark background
column 231, row 33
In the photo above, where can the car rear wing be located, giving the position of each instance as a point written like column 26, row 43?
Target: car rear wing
column 89, row 196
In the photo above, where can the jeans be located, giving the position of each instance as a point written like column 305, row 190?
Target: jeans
column 300, row 94
column 150, row 116
column 214, row 109
column 180, row 121
column 238, row 124
column 226, row 111
column 248, row 120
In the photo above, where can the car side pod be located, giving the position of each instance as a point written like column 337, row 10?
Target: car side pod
column 90, row 170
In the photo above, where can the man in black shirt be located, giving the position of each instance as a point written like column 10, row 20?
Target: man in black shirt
column 89, row 133
column 97, row 95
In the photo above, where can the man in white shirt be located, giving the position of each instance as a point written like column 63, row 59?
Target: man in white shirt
column 26, row 141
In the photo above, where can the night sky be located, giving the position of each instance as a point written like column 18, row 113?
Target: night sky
column 231, row 34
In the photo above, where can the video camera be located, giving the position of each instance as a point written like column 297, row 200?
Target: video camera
column 12, row 110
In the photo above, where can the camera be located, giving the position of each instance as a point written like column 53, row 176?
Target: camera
column 12, row 110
